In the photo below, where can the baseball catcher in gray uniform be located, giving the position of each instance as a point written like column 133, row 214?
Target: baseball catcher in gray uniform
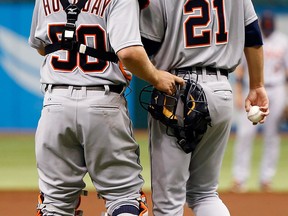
column 201, row 41
column 91, row 48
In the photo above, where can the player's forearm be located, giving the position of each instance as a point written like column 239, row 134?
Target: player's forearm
column 137, row 62
column 254, row 57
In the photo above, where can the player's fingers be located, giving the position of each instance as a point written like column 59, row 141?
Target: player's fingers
column 170, row 91
column 179, row 80
column 247, row 105
column 265, row 113
column 264, row 110
column 174, row 88
column 263, row 120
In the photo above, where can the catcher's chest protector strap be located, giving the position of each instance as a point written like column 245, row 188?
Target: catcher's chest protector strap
column 69, row 42
column 72, row 11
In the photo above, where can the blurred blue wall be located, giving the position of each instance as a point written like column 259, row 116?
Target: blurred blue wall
column 21, row 102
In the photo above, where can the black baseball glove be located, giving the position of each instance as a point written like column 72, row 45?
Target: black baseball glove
column 185, row 114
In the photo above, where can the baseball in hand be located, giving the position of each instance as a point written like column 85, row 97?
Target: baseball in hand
column 255, row 114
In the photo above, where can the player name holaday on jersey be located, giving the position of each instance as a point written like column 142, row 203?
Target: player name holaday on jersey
column 94, row 7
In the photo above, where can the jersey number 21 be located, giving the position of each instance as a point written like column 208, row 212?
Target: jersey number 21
column 200, row 21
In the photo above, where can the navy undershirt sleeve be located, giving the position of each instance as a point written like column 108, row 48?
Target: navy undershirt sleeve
column 253, row 36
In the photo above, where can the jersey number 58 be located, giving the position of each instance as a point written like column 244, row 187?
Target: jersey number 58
column 93, row 33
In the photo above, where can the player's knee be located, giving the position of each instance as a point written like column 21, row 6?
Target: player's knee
column 130, row 210
column 126, row 210
column 135, row 207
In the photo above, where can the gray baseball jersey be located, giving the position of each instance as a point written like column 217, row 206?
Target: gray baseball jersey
column 198, row 33
column 206, row 32
column 99, row 25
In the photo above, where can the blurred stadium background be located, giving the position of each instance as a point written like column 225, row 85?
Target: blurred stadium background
column 22, row 100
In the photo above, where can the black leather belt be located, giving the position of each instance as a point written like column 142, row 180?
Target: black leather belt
column 113, row 88
column 199, row 70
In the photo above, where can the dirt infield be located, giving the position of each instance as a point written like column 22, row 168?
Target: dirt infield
column 247, row 204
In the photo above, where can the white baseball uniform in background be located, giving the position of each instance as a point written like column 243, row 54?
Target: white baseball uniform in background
column 275, row 72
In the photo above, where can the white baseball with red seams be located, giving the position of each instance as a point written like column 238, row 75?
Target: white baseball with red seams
column 255, row 114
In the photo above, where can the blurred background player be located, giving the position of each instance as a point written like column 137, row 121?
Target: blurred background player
column 275, row 75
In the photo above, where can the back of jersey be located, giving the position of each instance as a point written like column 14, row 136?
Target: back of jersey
column 197, row 33
column 100, row 25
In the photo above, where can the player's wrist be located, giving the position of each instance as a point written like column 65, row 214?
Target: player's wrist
column 256, row 85
column 154, row 78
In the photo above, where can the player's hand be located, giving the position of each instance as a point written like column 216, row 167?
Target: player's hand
column 258, row 97
column 167, row 82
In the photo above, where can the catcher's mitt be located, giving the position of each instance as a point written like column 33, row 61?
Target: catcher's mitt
column 185, row 114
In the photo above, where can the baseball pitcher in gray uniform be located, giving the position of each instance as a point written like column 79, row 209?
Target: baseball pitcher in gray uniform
column 91, row 48
column 205, row 39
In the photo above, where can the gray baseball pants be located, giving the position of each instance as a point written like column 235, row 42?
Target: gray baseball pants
column 86, row 131
column 178, row 177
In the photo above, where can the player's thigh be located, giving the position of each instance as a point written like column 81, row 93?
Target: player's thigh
column 169, row 170
column 111, row 152
column 220, row 100
column 55, row 143
column 206, row 160
column 55, row 138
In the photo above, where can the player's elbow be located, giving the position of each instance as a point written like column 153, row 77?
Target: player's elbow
column 130, row 53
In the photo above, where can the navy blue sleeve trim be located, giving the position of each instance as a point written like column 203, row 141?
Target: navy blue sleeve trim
column 253, row 36
column 150, row 46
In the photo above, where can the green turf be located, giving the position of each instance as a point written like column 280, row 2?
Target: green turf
column 17, row 162
column 18, row 166
column 279, row 183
